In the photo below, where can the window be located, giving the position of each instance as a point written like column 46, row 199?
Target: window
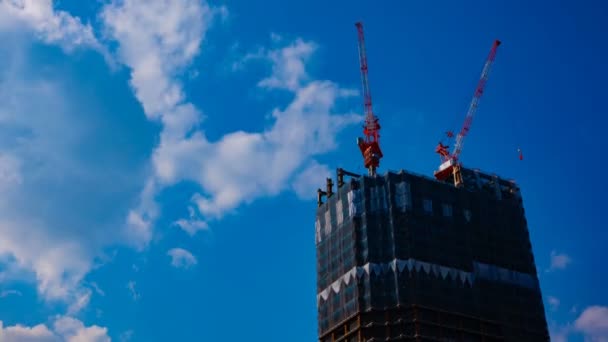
column 467, row 215
column 447, row 210
column 402, row 196
column 428, row 206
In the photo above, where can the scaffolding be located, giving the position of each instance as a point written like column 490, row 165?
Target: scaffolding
column 404, row 257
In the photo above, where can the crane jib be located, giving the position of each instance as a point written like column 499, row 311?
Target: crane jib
column 475, row 101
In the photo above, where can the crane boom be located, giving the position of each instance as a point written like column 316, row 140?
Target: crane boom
column 369, row 146
column 367, row 96
column 450, row 165
column 474, row 103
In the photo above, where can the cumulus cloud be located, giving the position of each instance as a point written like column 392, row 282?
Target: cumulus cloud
column 50, row 222
column 46, row 243
column 157, row 42
column 553, row 302
column 57, row 271
column 51, row 226
column 593, row 322
column 288, row 65
column 126, row 336
column 559, row 261
column 97, row 289
column 131, row 286
column 73, row 330
column 243, row 166
column 310, row 179
column 40, row 128
column 10, row 175
column 139, row 223
column 20, row 333
column 193, row 224
column 157, row 39
column 559, row 333
column 50, row 25
column 181, row 258
column 7, row 293
column 57, row 264
column 82, row 300
column 65, row 329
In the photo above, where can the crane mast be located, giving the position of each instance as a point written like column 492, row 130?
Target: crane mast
column 369, row 145
column 450, row 164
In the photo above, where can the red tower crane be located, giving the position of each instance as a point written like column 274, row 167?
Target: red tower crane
column 369, row 145
column 449, row 161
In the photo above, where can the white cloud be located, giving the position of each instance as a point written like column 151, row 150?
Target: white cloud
column 10, row 173
column 242, row 166
column 181, row 258
column 593, row 322
column 310, row 179
column 97, row 289
column 7, row 293
column 126, row 336
column 288, row 65
column 57, row 252
column 51, row 226
column 221, row 12
column 131, row 286
column 73, row 330
column 559, row 261
column 20, row 333
column 157, row 39
column 65, row 329
column 50, row 25
column 241, row 61
column 57, row 265
column 553, row 302
column 559, row 333
column 275, row 37
column 193, row 224
column 157, row 42
column 139, row 230
column 82, row 300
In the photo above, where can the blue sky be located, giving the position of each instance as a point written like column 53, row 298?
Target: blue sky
column 158, row 159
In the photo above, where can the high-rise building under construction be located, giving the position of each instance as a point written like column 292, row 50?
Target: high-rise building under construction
column 403, row 257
